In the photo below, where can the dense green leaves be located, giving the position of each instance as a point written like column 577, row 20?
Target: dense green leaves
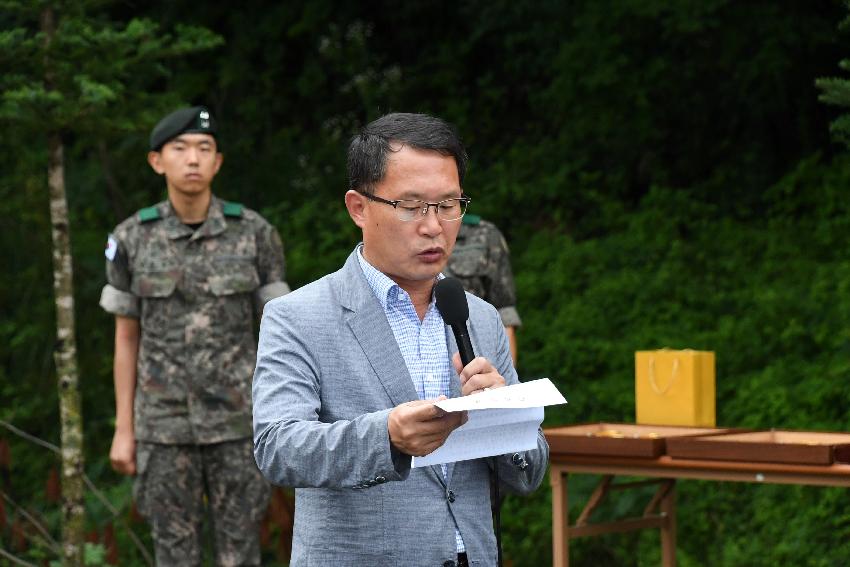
column 92, row 74
column 663, row 172
column 770, row 297
column 836, row 91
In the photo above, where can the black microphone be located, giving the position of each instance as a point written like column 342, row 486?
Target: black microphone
column 451, row 301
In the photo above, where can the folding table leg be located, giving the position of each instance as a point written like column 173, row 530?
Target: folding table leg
column 560, row 518
column 668, row 527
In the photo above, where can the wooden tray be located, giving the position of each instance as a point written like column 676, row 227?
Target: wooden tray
column 792, row 447
column 619, row 439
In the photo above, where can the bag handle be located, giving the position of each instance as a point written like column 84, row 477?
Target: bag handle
column 673, row 375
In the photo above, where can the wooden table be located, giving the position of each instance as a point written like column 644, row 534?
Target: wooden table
column 660, row 512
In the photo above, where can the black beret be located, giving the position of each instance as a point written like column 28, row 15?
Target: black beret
column 194, row 120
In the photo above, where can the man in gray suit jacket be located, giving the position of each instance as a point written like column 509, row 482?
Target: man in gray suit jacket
column 349, row 367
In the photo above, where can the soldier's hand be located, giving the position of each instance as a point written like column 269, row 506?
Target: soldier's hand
column 478, row 375
column 418, row 428
column 122, row 455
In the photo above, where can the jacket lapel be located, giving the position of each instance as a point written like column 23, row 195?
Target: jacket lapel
column 369, row 324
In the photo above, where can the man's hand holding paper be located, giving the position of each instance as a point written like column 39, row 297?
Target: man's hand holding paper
column 419, row 427
column 502, row 420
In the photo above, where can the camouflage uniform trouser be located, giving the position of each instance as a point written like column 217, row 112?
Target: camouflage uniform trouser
column 170, row 488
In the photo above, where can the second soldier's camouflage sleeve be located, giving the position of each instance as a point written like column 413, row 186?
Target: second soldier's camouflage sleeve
column 502, row 292
column 271, row 265
column 116, row 297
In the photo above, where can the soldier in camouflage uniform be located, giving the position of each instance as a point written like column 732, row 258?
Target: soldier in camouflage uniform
column 481, row 261
column 185, row 280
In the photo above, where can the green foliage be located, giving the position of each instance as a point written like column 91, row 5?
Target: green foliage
column 84, row 74
column 769, row 297
column 662, row 171
column 836, row 91
column 94, row 555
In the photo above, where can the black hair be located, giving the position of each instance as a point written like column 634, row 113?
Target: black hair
column 368, row 150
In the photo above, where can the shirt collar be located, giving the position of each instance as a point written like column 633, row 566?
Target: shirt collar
column 384, row 288
column 213, row 225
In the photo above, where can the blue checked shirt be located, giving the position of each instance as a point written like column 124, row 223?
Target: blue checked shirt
column 422, row 343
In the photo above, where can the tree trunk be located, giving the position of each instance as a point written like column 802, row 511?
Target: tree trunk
column 65, row 349
column 65, row 356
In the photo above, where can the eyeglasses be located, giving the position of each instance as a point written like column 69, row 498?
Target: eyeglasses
column 414, row 209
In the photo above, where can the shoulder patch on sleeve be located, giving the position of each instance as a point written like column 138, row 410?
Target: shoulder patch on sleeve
column 111, row 248
column 472, row 220
column 148, row 214
column 232, row 209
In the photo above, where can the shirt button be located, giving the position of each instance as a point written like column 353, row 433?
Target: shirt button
column 450, row 495
column 380, row 479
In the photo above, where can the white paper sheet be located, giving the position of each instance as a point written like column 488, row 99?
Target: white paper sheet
column 537, row 393
column 502, row 420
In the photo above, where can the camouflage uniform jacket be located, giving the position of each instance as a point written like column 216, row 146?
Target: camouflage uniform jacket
column 195, row 293
column 481, row 261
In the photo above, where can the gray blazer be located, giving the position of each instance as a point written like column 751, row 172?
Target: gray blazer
column 328, row 374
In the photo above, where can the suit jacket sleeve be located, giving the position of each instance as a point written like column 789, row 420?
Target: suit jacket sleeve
column 296, row 442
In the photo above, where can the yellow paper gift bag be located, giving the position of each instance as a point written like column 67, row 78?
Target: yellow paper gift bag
column 675, row 387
